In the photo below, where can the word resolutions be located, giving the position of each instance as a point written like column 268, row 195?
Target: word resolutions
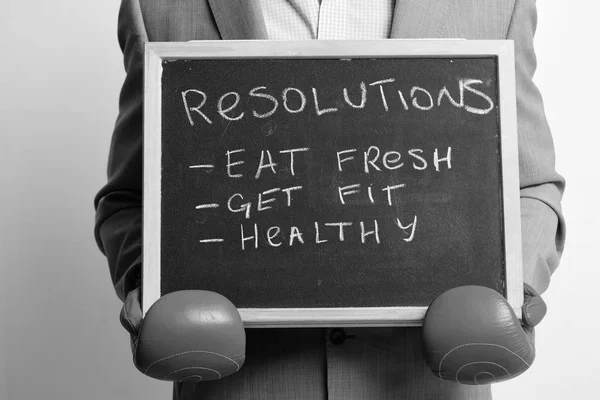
column 294, row 100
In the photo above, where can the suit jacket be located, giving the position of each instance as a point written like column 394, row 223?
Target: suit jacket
column 373, row 363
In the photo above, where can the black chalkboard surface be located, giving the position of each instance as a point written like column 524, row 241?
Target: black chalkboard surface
column 315, row 182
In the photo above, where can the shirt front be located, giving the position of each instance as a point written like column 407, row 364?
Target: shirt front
column 328, row 19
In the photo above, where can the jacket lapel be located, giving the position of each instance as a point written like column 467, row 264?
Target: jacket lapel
column 419, row 18
column 239, row 19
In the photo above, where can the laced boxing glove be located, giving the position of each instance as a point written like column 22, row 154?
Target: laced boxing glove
column 471, row 335
column 189, row 336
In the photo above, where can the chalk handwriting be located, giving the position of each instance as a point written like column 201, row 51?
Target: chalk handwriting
column 237, row 105
column 365, row 232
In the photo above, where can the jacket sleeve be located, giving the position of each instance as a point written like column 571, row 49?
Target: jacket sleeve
column 118, row 224
column 542, row 223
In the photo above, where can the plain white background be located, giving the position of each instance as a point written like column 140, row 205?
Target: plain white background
column 60, row 74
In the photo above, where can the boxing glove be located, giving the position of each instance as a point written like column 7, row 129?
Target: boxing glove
column 186, row 336
column 471, row 335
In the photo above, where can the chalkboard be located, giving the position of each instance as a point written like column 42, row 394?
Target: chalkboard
column 308, row 183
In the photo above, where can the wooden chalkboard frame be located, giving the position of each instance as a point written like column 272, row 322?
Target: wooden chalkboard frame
column 157, row 52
